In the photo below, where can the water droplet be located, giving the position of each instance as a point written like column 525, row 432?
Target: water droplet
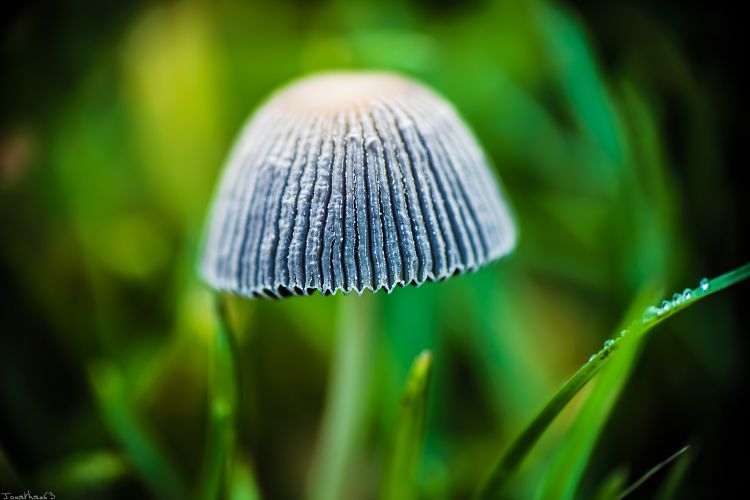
column 676, row 298
column 650, row 312
column 687, row 294
column 622, row 333
column 665, row 305
column 704, row 284
column 608, row 343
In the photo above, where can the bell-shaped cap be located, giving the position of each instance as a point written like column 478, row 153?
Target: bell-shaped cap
column 348, row 181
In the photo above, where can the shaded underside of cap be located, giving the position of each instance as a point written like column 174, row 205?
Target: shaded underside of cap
column 346, row 182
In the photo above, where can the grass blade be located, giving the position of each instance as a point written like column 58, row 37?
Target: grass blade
column 109, row 387
column 630, row 489
column 520, row 447
column 402, row 463
column 220, row 442
column 343, row 415
column 85, row 474
column 581, row 80
column 572, row 454
column 244, row 486
column 669, row 487
column 612, row 485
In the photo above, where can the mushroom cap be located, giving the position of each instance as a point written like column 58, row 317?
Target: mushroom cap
column 353, row 181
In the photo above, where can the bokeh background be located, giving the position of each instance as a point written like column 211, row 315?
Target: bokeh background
column 618, row 129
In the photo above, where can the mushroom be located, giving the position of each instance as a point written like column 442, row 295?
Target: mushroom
column 352, row 181
column 345, row 182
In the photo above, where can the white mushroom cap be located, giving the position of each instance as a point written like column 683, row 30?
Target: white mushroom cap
column 348, row 181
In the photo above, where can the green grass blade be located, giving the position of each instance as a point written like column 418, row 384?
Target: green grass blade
column 347, row 396
column 402, row 462
column 612, row 485
column 669, row 487
column 82, row 474
column 573, row 453
column 222, row 402
column 109, row 387
column 520, row 447
column 244, row 486
column 637, row 484
column 580, row 79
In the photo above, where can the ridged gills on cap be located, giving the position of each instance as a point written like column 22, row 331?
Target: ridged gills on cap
column 347, row 181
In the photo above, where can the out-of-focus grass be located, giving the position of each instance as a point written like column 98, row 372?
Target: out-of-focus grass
column 218, row 466
column 86, row 473
column 401, row 465
column 244, row 486
column 612, row 485
column 117, row 409
column 608, row 142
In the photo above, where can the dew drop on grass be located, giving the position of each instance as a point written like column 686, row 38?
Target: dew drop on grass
column 686, row 294
column 665, row 305
column 608, row 343
column 704, row 284
column 650, row 312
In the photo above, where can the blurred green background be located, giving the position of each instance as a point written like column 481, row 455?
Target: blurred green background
column 618, row 131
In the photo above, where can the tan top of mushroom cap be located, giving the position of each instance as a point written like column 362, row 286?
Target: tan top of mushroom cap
column 333, row 92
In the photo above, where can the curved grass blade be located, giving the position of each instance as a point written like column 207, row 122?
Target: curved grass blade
column 153, row 466
column 520, row 447
column 573, row 452
column 637, row 484
column 220, row 442
column 402, row 462
column 669, row 487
